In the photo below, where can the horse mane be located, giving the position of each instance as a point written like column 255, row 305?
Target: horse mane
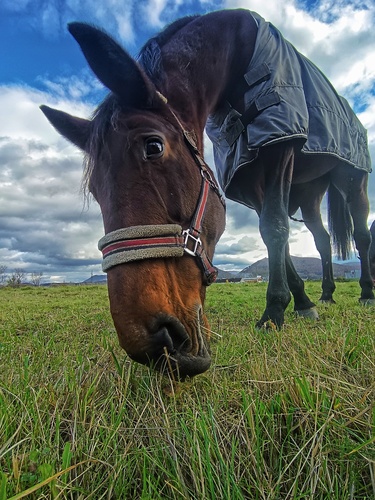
column 108, row 111
column 150, row 54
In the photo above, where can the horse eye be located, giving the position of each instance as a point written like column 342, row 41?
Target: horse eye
column 154, row 148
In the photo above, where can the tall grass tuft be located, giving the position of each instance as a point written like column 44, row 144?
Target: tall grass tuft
column 284, row 414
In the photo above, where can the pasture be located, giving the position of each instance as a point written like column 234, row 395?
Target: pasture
column 283, row 414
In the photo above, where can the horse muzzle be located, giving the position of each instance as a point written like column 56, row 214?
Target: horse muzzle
column 168, row 348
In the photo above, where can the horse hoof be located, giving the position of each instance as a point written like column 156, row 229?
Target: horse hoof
column 367, row 302
column 311, row 313
column 266, row 326
column 327, row 301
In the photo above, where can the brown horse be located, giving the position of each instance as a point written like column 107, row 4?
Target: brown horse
column 308, row 197
column 372, row 250
column 162, row 211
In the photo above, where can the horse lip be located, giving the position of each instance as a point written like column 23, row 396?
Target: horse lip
column 175, row 356
column 182, row 366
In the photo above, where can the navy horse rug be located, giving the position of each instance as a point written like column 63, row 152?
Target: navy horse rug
column 288, row 97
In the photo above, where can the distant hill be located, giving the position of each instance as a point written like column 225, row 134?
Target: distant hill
column 225, row 275
column 96, row 279
column 307, row 267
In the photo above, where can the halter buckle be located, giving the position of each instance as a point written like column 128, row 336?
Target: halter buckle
column 196, row 242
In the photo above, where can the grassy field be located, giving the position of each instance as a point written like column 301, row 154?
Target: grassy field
column 284, row 414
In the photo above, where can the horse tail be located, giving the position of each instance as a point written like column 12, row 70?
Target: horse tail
column 340, row 223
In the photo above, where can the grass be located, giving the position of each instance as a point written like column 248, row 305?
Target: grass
column 287, row 414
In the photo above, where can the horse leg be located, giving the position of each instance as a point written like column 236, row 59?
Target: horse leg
column 308, row 196
column 353, row 188
column 322, row 239
column 302, row 304
column 274, row 228
column 359, row 210
column 372, row 251
column 323, row 245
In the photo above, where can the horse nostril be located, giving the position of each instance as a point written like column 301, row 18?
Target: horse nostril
column 171, row 336
column 162, row 340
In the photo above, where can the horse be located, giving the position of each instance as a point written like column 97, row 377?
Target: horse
column 163, row 211
column 309, row 201
column 372, row 251
column 308, row 198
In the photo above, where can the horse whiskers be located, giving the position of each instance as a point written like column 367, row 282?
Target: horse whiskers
column 212, row 332
column 189, row 310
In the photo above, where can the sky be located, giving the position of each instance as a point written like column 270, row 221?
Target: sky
column 45, row 224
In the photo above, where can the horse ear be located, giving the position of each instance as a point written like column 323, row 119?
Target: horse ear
column 114, row 67
column 76, row 130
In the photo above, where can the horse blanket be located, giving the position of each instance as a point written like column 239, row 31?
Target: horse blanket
column 288, row 97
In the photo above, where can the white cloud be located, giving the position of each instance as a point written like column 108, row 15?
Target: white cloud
column 152, row 11
column 125, row 27
column 43, row 226
column 367, row 117
column 337, row 36
column 20, row 106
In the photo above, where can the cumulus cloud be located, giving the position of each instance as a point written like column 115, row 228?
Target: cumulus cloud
column 43, row 224
column 243, row 245
column 20, row 106
column 337, row 36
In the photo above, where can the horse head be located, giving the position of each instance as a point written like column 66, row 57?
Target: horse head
column 148, row 179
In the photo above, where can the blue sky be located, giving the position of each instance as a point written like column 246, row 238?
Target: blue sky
column 35, row 44
column 44, row 225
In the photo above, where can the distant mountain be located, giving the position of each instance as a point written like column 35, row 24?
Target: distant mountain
column 307, row 267
column 96, row 279
column 225, row 275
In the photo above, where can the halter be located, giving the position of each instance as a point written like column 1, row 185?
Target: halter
column 165, row 240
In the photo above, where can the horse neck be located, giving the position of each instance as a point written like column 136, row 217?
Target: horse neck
column 205, row 62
